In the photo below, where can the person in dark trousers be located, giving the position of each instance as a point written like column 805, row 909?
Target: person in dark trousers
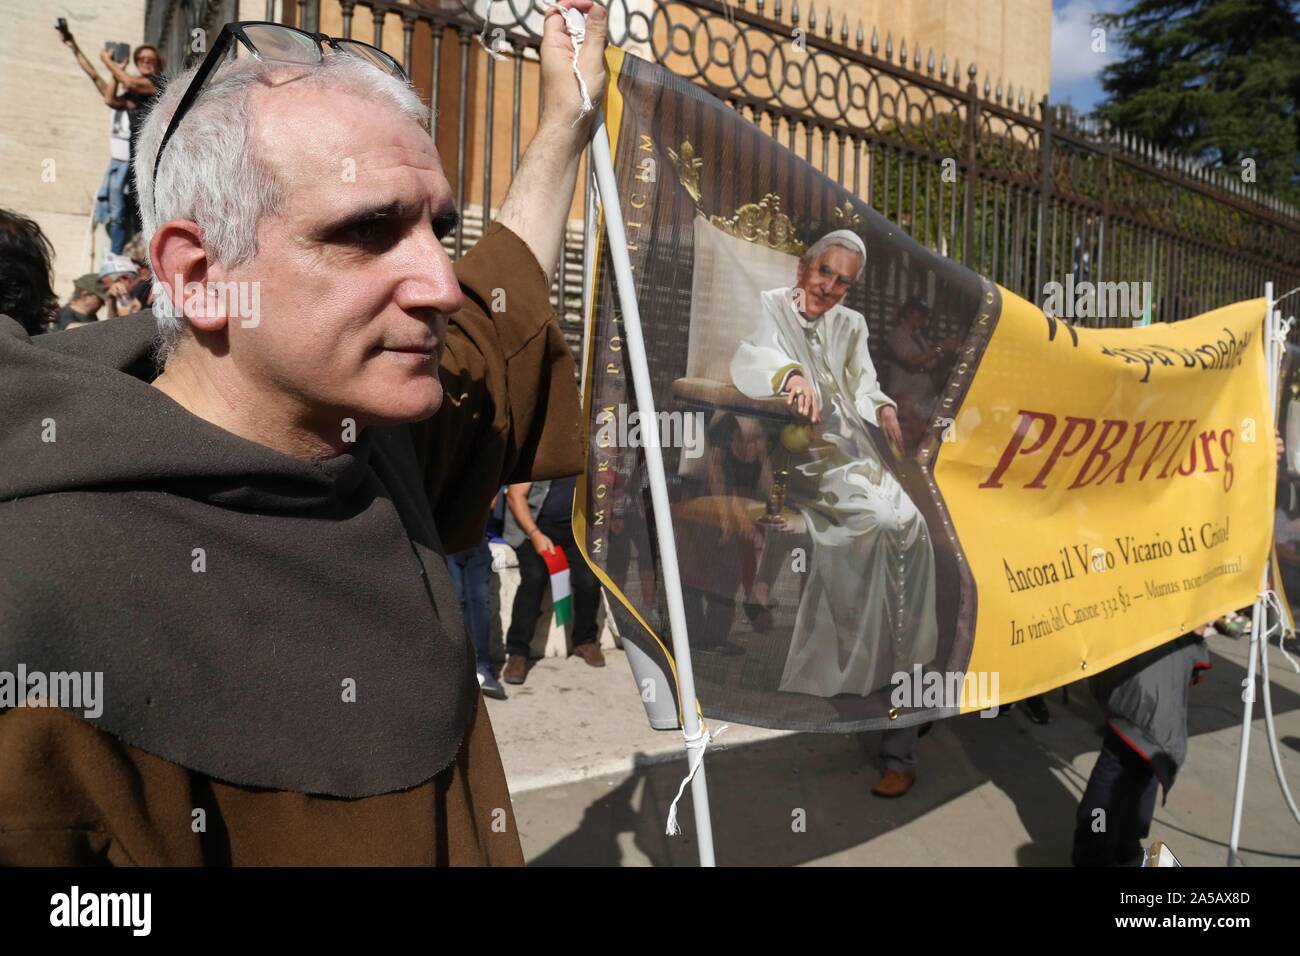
column 1145, row 744
column 538, row 521
column 746, row 558
column 1035, row 707
column 470, row 571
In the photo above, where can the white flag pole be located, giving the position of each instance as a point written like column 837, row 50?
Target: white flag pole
column 603, row 164
column 1261, row 606
column 589, row 226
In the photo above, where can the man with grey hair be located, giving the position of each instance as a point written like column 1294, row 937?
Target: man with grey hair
column 867, row 609
column 260, row 526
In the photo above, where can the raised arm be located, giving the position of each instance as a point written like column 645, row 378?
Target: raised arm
column 101, row 84
column 536, row 206
column 113, row 99
column 511, row 411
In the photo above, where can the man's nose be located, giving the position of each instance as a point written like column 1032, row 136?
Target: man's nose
column 431, row 279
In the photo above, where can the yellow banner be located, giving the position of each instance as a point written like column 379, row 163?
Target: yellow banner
column 1106, row 488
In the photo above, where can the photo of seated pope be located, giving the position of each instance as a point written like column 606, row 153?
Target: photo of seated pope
column 868, row 608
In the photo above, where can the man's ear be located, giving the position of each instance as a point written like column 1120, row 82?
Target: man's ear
column 181, row 264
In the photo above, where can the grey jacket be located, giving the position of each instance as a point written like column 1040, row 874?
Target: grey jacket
column 1147, row 700
column 514, row 534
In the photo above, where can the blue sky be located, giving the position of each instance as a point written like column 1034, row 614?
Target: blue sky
column 1076, row 66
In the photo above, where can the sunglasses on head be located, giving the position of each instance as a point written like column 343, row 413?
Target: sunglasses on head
column 272, row 43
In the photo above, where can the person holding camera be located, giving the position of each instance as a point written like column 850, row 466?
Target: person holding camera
column 114, row 205
column 139, row 91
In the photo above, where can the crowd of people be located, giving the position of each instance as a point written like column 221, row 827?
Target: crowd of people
column 123, row 284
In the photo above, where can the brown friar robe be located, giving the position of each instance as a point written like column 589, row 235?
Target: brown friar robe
column 283, row 673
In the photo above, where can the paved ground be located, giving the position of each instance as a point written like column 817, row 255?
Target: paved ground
column 592, row 783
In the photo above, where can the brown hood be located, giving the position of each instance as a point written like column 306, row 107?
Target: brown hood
column 230, row 595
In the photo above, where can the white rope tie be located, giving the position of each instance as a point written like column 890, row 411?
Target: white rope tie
column 576, row 24
column 499, row 57
column 1282, row 328
column 695, row 747
column 1273, row 600
column 487, row 24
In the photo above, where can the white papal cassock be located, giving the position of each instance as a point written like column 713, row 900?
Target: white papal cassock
column 868, row 607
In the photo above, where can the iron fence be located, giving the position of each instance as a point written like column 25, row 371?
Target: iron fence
column 1022, row 192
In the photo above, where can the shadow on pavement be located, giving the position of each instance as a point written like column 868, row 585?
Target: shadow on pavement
column 806, row 797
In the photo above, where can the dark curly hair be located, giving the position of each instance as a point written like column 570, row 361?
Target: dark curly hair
column 25, row 257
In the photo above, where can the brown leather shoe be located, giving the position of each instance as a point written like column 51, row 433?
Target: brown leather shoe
column 516, row 669
column 894, row 783
column 591, row 653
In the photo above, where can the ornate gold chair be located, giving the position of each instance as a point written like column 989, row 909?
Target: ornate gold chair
column 736, row 259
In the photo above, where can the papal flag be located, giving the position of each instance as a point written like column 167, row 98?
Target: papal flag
column 898, row 490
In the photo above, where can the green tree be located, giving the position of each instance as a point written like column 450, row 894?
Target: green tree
column 1215, row 79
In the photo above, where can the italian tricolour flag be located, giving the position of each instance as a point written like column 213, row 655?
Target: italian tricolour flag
column 560, row 594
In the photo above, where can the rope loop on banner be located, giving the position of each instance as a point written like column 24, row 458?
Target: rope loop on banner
column 696, row 744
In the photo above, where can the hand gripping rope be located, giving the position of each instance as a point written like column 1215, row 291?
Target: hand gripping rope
column 576, row 24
